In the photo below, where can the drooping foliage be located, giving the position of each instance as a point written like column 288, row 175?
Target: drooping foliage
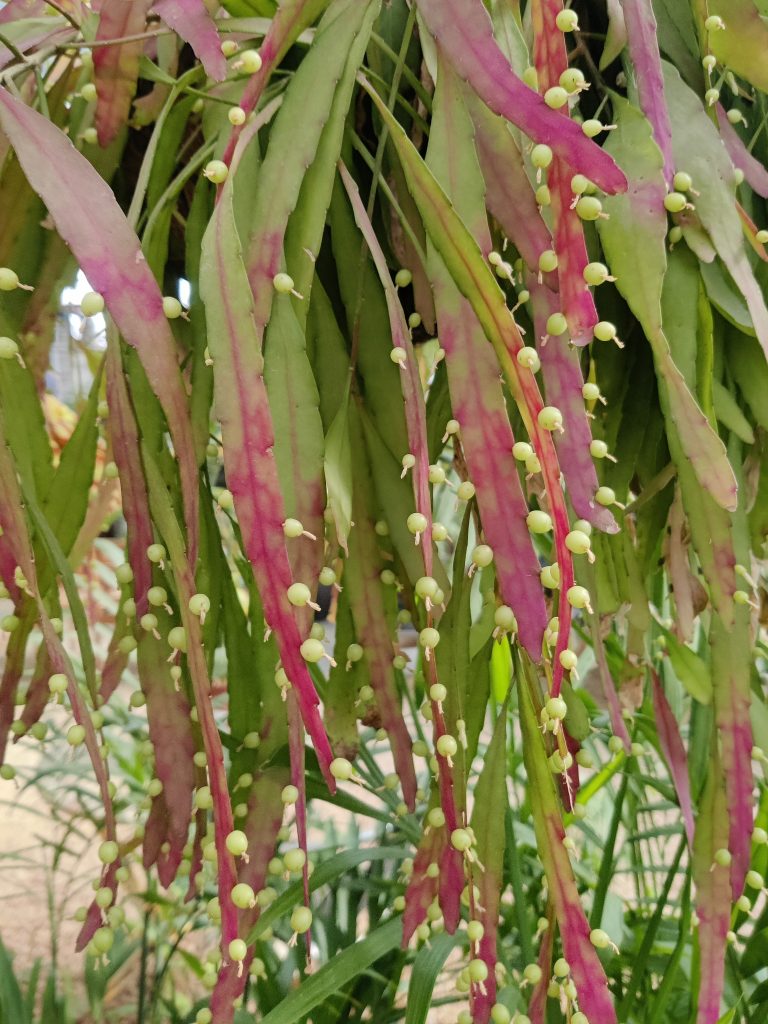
column 450, row 318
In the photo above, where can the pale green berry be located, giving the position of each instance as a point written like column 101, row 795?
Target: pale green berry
column 482, row 555
column 543, row 198
column 429, row 637
column 461, row 840
column 501, row 1015
column 228, row 47
column 711, row 96
column 561, row 968
column 109, row 852
column 589, row 208
column 414, row 321
column 250, row 61
column 556, row 325
column 327, row 576
column 598, row 449
column 172, row 307
column 682, row 182
column 714, row 23
column 299, row 594
column 436, row 817
column 759, row 836
column 294, row 860
column 398, row 355
column 538, row 521
column 293, row 528
column 58, row 683
column 605, row 496
column 416, row 523
column 408, row 461
column 238, row 950
column 573, row 80
column 521, row 450
column 75, row 735
column 615, row 744
column 592, row 127
column 532, row 974
column 237, row 843
column 438, row 692
column 722, row 857
column 301, row 920
column 599, row 938
column 236, row 116
column 177, row 638
column 354, row 652
column 203, row 798
column 604, row 330
column 283, row 283
column 9, row 279
column 556, row 97
column 403, row 277
column 157, row 596
column 88, row 92
column 465, row 491
column 478, row 970
column 91, row 304
column 556, row 708
column 531, row 78
column 504, row 618
column 312, row 650
column 567, row 20
column 216, row 171
column 578, row 597
column 341, row 769
column 596, row 274
column 754, row 880
column 548, row 261
column 446, row 745
column 577, row 542
column 426, row 587
column 541, row 156
column 103, row 939
column 550, row 418
column 199, row 605
column 156, row 553
column 436, row 475
column 290, row 794
column 675, row 202
column 579, row 184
